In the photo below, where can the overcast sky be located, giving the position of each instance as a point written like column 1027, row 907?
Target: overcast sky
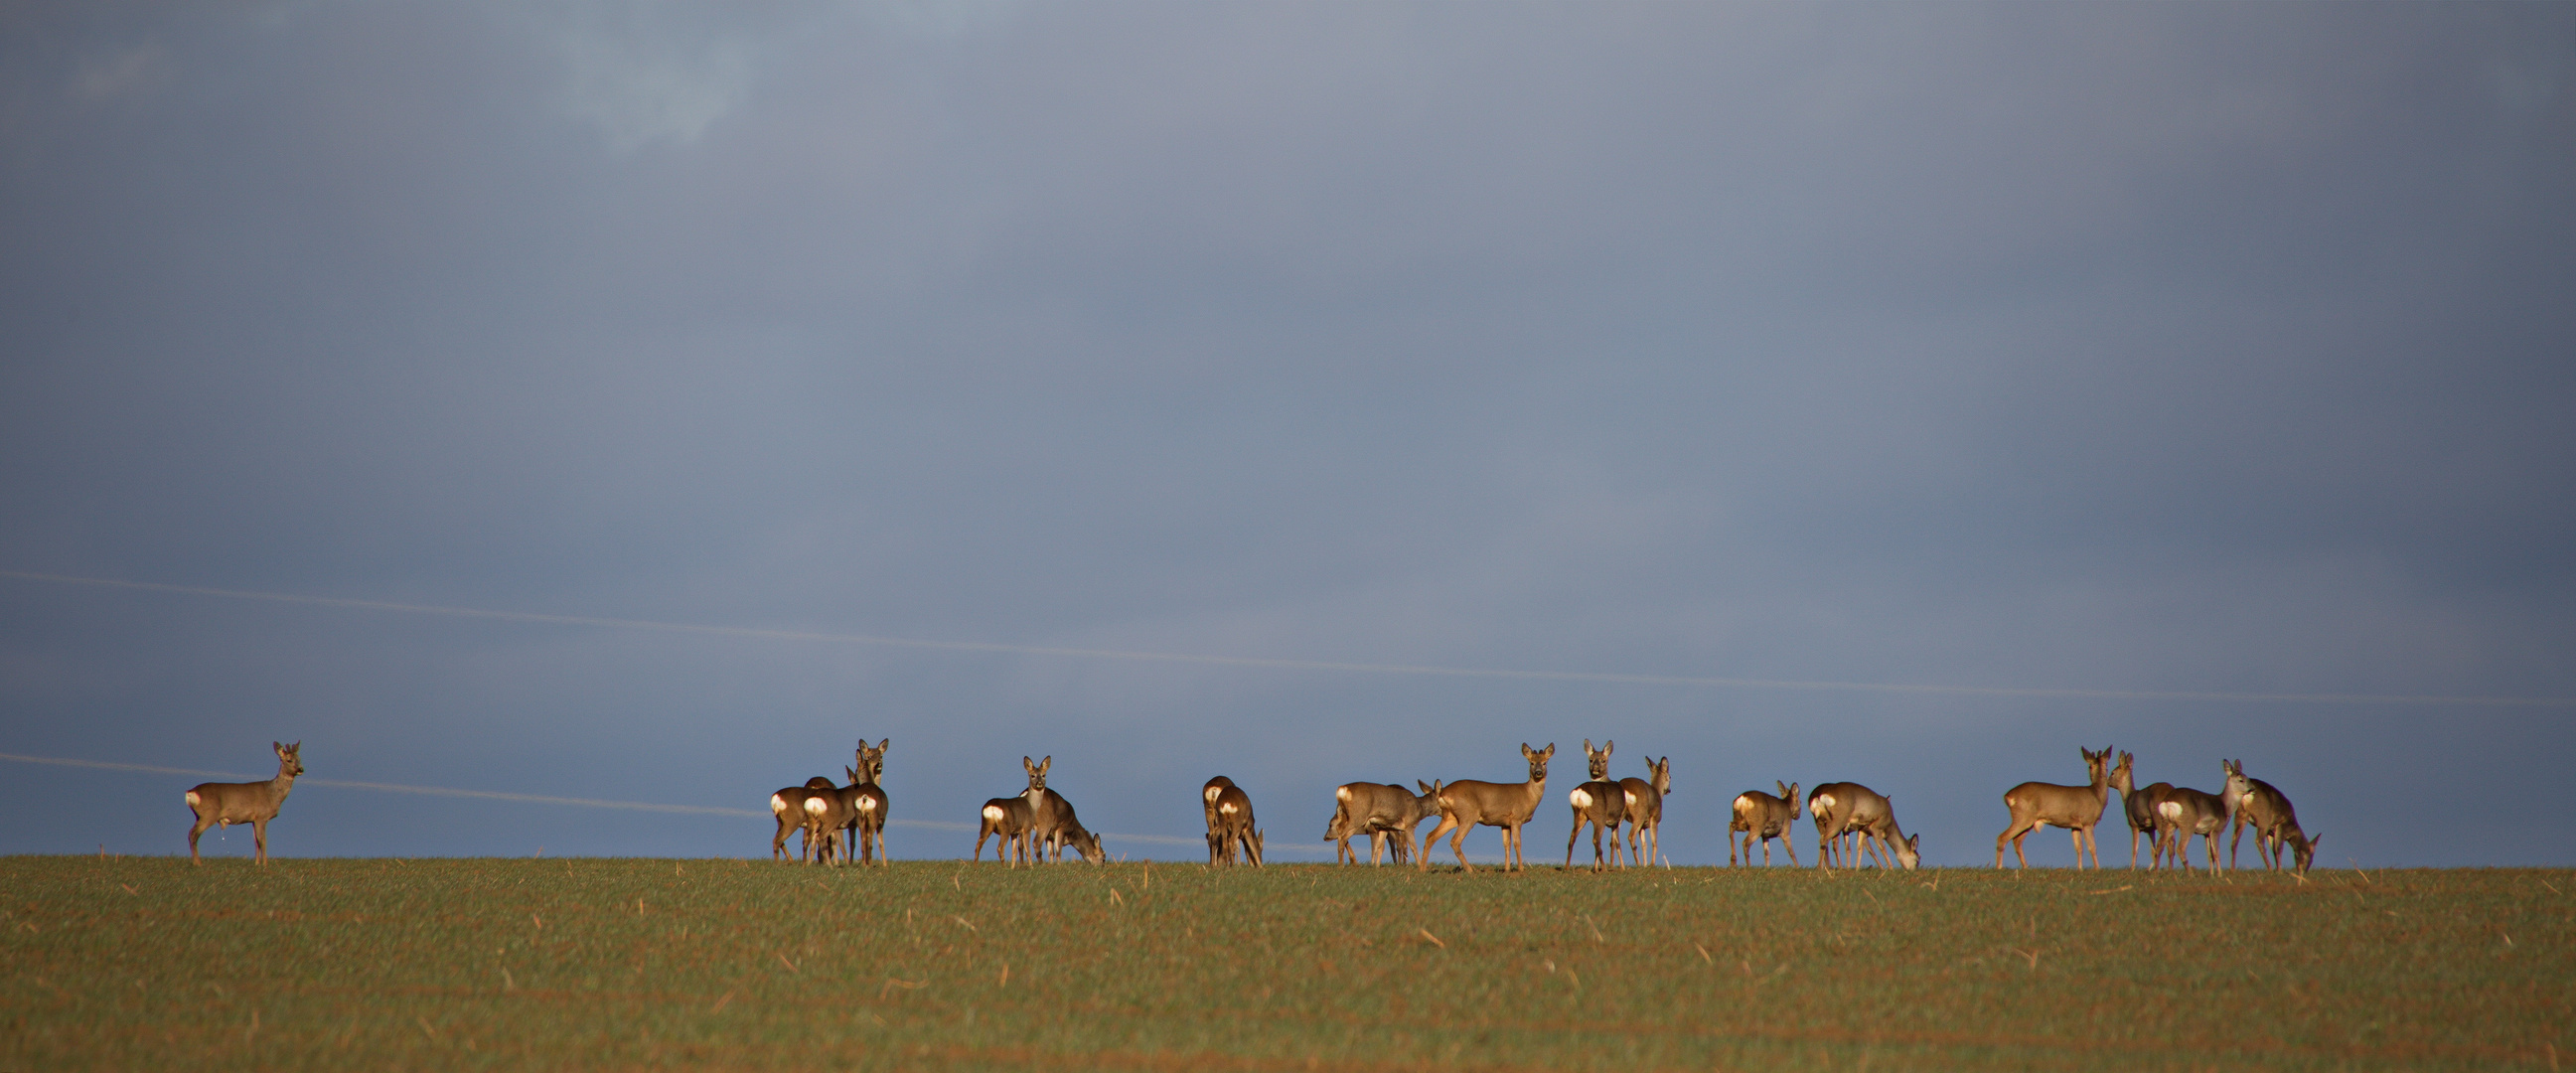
column 2211, row 349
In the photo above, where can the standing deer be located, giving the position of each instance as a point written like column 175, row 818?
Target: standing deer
column 1469, row 803
column 1645, row 801
column 1207, row 797
column 2076, row 808
column 2275, row 823
column 869, row 820
column 2139, row 806
column 1829, row 804
column 1052, row 825
column 1009, row 818
column 1234, row 825
column 1762, row 817
column 2184, row 812
column 1843, row 808
column 788, row 805
column 254, row 803
column 1379, row 810
column 1599, row 803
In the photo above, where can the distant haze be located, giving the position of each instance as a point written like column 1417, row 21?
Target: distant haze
column 2108, row 354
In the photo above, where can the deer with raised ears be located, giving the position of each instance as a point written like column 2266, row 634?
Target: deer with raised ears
column 1468, row 803
column 2139, row 807
column 1645, row 800
column 254, row 803
column 1599, row 803
column 870, row 803
column 788, row 805
column 1207, row 797
column 2184, row 812
column 1762, row 817
column 2267, row 810
column 1052, row 822
column 1235, row 826
column 2077, row 808
column 1387, row 813
column 1008, row 818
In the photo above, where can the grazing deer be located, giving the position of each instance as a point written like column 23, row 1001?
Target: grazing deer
column 1009, row 818
column 788, row 805
column 1468, row 803
column 1829, row 804
column 869, row 821
column 1645, row 801
column 1762, row 817
column 1849, row 808
column 2184, row 812
column 1052, row 822
column 2077, row 808
column 2268, row 811
column 1599, row 803
column 1207, row 797
column 254, row 803
column 1379, row 810
column 1235, row 825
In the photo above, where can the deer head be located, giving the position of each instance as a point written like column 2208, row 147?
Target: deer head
column 1659, row 774
column 1037, row 772
column 1910, row 852
column 2121, row 779
column 289, row 758
column 872, row 761
column 1538, row 759
column 1600, row 761
column 1788, row 793
column 1087, row 844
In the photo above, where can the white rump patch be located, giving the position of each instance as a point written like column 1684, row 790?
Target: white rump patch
column 192, row 799
column 1579, row 799
column 1343, row 795
column 2171, row 810
column 814, row 806
column 1823, row 801
column 777, row 802
column 1211, row 794
column 993, row 814
column 1226, row 809
column 1631, row 797
column 867, row 804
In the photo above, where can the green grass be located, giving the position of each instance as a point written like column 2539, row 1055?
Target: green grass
column 145, row 963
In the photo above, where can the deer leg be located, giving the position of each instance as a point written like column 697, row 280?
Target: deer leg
column 1458, row 845
column 259, row 838
column 1575, row 834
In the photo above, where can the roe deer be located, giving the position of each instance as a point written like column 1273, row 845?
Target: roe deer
column 1234, row 825
column 1830, row 804
column 2077, row 808
column 2268, row 812
column 2184, row 812
column 869, row 822
column 1468, row 803
column 1598, row 803
column 1762, row 818
column 788, row 804
column 1645, row 801
column 1379, row 810
column 254, row 803
column 1009, row 818
column 2139, row 806
column 832, row 814
column 1207, row 798
column 1843, row 808
column 1052, row 825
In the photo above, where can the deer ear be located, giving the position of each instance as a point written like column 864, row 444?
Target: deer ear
column 1549, row 751
column 1607, row 745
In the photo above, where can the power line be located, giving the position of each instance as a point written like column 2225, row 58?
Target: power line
column 1302, row 664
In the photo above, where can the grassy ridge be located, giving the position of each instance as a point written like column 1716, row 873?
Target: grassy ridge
column 512, row 964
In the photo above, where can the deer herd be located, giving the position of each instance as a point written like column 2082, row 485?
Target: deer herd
column 1853, row 822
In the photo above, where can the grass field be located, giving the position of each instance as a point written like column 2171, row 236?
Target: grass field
column 145, row 963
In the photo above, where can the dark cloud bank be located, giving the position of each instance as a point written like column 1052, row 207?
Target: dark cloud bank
column 2152, row 348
